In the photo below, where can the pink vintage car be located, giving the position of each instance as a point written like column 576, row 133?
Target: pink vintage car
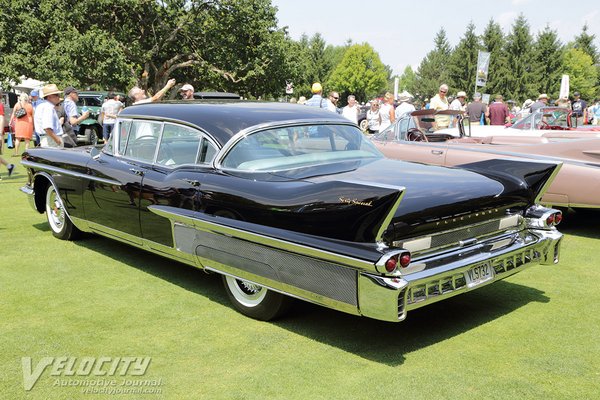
column 577, row 184
column 546, row 122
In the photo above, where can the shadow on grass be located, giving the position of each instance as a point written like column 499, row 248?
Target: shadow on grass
column 582, row 222
column 382, row 342
column 42, row 226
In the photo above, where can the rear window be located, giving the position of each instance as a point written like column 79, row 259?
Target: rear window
column 297, row 147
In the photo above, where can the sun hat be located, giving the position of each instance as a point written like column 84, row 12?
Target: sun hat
column 49, row 89
column 317, row 88
column 461, row 94
column 543, row 96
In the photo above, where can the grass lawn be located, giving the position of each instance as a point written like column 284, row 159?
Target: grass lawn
column 535, row 335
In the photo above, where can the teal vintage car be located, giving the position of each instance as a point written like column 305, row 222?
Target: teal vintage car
column 90, row 129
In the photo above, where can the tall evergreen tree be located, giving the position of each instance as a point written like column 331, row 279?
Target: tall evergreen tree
column 519, row 54
column 547, row 62
column 499, row 74
column 462, row 67
column 432, row 71
column 584, row 41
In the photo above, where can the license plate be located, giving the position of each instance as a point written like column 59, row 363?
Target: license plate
column 479, row 274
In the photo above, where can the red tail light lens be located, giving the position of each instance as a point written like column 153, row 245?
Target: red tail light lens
column 391, row 264
column 404, row 259
column 558, row 218
column 550, row 220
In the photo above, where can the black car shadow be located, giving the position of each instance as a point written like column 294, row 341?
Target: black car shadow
column 383, row 342
column 581, row 222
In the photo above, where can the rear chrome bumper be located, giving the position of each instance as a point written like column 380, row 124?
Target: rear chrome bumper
column 28, row 190
column 390, row 298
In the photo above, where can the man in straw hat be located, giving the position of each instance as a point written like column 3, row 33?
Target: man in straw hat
column 542, row 101
column 404, row 106
column 46, row 120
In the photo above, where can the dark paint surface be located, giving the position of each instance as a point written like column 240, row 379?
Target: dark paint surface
column 345, row 200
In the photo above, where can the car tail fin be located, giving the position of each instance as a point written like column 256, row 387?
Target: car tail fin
column 537, row 175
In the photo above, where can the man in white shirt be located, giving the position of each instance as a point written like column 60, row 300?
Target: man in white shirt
column 110, row 109
column 439, row 102
column 405, row 106
column 352, row 110
column 46, row 120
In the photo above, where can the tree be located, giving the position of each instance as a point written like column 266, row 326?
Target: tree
column 224, row 44
column 547, row 62
column 408, row 80
column 519, row 52
column 585, row 42
column 499, row 74
column 432, row 71
column 462, row 66
column 360, row 73
column 582, row 73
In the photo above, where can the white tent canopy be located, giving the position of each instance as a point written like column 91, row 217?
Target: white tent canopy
column 27, row 85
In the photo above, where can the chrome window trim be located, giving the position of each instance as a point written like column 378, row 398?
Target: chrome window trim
column 163, row 121
column 138, row 160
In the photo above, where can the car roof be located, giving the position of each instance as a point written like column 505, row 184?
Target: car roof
column 96, row 93
column 223, row 119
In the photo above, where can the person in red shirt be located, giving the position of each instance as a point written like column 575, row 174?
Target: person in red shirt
column 499, row 114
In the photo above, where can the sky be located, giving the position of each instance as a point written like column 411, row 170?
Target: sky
column 402, row 32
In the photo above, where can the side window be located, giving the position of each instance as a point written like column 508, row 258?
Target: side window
column 179, row 145
column 143, row 140
column 207, row 152
column 123, row 128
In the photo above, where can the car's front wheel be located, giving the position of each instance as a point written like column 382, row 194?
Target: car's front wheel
column 255, row 301
column 60, row 224
column 91, row 136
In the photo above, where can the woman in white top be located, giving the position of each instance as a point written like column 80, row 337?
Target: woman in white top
column 387, row 111
column 374, row 117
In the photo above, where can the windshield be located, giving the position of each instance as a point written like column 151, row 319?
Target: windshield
column 547, row 119
column 301, row 146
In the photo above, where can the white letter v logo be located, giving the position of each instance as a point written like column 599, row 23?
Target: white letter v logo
column 31, row 377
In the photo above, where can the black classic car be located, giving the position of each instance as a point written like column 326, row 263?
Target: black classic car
column 290, row 201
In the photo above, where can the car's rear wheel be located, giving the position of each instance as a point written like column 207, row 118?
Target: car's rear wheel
column 255, row 301
column 60, row 224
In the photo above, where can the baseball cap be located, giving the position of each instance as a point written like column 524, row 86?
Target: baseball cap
column 69, row 89
column 576, row 94
column 35, row 92
column 186, row 87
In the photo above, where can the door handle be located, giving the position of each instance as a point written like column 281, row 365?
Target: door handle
column 192, row 182
column 137, row 171
column 437, row 152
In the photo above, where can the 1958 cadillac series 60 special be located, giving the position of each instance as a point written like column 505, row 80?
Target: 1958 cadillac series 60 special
column 291, row 201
